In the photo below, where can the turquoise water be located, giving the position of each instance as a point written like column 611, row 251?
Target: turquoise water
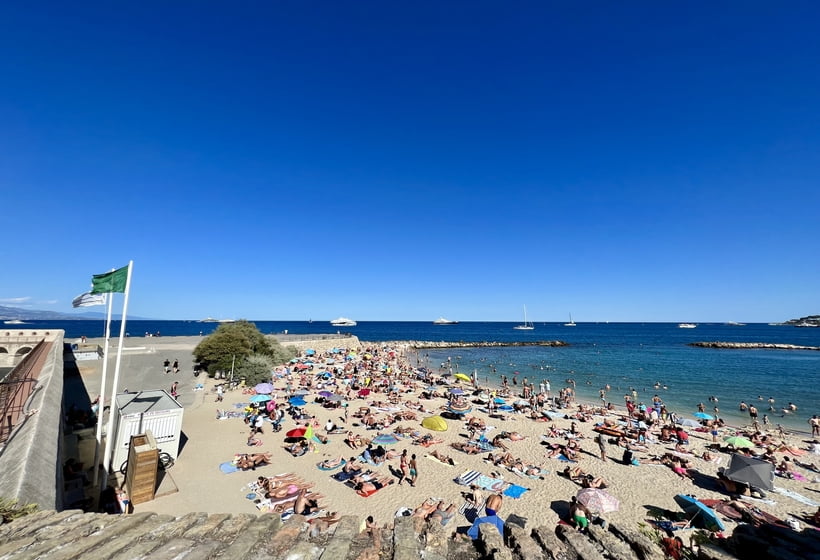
column 624, row 355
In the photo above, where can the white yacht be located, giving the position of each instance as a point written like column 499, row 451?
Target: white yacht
column 343, row 322
column 571, row 322
column 443, row 321
column 14, row 322
column 686, row 325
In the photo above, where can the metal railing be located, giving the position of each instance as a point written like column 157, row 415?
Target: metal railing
column 18, row 385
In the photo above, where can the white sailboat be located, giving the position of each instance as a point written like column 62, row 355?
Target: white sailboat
column 571, row 322
column 527, row 326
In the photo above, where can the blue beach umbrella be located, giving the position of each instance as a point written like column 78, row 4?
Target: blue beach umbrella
column 385, row 439
column 703, row 416
column 297, row 401
column 259, row 398
column 700, row 514
column 688, row 423
column 310, row 352
column 499, row 401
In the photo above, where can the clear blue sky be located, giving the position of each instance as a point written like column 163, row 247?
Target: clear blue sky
column 402, row 161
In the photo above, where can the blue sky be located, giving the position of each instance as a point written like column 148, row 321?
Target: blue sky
column 389, row 161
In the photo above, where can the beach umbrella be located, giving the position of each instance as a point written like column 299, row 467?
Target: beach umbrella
column 259, row 398
column 264, row 388
column 754, row 472
column 598, row 500
column 435, row 423
column 336, row 398
column 738, row 441
column 522, row 402
column 301, row 392
column 703, row 416
column 689, row 423
column 498, row 400
column 301, row 366
column 385, row 439
column 296, row 432
column 456, row 391
column 310, row 352
column 325, row 394
column 297, row 401
column 462, row 377
column 700, row 514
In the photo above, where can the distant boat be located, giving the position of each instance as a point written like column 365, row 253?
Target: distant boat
column 212, row 320
column 736, row 324
column 14, row 322
column 527, row 326
column 571, row 322
column 686, row 325
column 226, row 321
column 343, row 322
column 443, row 321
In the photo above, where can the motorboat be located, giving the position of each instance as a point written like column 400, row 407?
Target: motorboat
column 443, row 321
column 343, row 322
column 14, row 322
column 686, row 325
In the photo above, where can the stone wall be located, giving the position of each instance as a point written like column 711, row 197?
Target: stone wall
column 30, row 462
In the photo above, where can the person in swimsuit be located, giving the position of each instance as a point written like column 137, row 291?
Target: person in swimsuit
column 403, row 466
column 414, row 473
column 443, row 515
column 493, row 505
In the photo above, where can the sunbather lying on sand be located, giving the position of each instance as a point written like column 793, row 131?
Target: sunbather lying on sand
column 468, row 448
column 374, row 484
column 247, row 461
column 443, row 458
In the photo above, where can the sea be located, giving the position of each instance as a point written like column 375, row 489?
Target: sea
column 649, row 358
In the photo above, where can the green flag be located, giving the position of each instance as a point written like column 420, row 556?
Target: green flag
column 110, row 281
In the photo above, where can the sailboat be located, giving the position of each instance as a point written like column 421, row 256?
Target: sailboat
column 571, row 322
column 527, row 326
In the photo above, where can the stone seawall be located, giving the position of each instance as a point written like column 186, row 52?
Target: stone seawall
column 751, row 345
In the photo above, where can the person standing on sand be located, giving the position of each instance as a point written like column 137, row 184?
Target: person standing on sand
column 414, row 473
column 601, row 440
column 405, row 468
column 814, row 422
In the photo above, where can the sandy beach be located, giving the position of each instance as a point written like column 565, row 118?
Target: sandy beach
column 210, row 441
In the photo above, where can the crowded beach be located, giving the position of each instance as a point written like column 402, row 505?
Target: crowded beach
column 364, row 431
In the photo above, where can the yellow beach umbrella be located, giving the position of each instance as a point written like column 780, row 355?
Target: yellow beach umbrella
column 463, row 377
column 435, row 423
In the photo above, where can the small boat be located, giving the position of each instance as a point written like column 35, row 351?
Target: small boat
column 14, row 322
column 343, row 322
column 571, row 322
column 736, row 324
column 443, row 321
column 686, row 325
column 526, row 326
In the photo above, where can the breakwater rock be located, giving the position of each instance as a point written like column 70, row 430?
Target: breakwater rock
column 417, row 344
column 751, row 345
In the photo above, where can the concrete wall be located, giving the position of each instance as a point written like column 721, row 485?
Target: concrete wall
column 30, row 462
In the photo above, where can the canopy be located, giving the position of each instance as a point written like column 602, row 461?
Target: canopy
column 700, row 514
column 385, row 439
column 703, row 416
column 325, row 394
column 462, row 377
column 738, row 441
column 260, row 398
column 296, row 432
column 754, row 472
column 688, row 423
column 435, row 423
column 598, row 500
column 264, row 388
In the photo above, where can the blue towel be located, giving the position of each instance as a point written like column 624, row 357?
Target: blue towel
column 515, row 491
column 565, row 459
column 228, row 468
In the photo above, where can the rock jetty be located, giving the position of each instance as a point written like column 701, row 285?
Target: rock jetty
column 418, row 344
column 751, row 345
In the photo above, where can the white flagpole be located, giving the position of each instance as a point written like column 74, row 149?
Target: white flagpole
column 109, row 436
column 101, row 403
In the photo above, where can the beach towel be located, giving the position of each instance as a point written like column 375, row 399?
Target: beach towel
column 367, row 493
column 228, row 468
column 488, row 483
column 565, row 459
column 797, row 497
column 345, row 476
column 515, row 491
column 468, row 478
column 324, row 468
column 439, row 461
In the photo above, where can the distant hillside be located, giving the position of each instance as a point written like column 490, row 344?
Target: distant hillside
column 809, row 321
column 39, row 315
